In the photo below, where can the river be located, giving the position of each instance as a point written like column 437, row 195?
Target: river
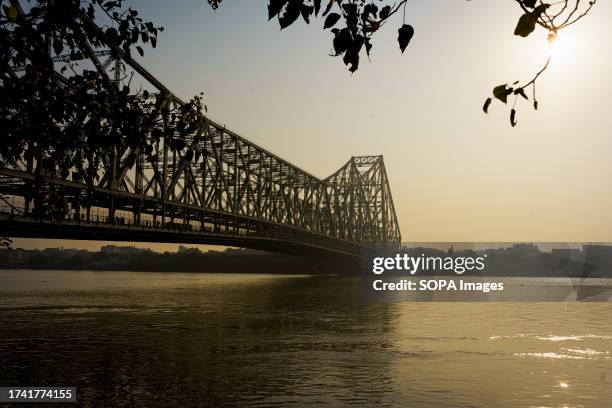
column 183, row 339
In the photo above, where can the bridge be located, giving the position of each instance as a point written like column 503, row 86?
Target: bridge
column 217, row 188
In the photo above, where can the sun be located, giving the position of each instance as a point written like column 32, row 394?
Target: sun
column 554, row 44
column 561, row 47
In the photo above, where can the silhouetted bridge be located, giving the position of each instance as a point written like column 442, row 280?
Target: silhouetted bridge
column 219, row 188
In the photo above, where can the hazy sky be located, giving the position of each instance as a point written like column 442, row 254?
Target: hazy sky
column 456, row 174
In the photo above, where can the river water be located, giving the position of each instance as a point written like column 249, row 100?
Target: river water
column 181, row 339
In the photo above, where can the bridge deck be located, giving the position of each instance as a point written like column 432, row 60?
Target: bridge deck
column 26, row 227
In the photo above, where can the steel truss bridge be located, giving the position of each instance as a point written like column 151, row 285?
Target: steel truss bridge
column 219, row 189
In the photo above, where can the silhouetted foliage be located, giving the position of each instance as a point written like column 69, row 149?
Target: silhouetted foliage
column 73, row 119
column 354, row 23
column 553, row 17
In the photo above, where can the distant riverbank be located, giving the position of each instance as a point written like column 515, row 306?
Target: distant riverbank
column 231, row 260
column 115, row 258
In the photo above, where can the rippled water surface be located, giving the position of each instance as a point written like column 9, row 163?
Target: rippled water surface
column 153, row 339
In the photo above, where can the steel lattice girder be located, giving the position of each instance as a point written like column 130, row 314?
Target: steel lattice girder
column 222, row 180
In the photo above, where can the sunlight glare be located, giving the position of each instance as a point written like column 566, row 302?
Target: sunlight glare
column 562, row 48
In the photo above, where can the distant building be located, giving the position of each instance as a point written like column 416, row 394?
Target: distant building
column 573, row 254
column 123, row 250
column 188, row 250
column 597, row 250
column 243, row 251
column 598, row 257
column 525, row 249
column 53, row 251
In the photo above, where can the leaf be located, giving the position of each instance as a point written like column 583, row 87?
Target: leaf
column 527, row 22
column 112, row 35
column 368, row 46
column 306, row 12
column 342, row 41
column 384, row 12
column 292, row 12
column 351, row 57
column 353, row 47
column 513, row 117
column 487, row 103
column 317, row 7
column 189, row 155
column 213, row 3
column 351, row 16
column 140, row 51
column 328, row 7
column 274, row 7
column 521, row 91
column 179, row 144
column 501, row 92
column 369, row 9
column 331, row 20
column 541, row 8
column 405, row 34
column 529, row 3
